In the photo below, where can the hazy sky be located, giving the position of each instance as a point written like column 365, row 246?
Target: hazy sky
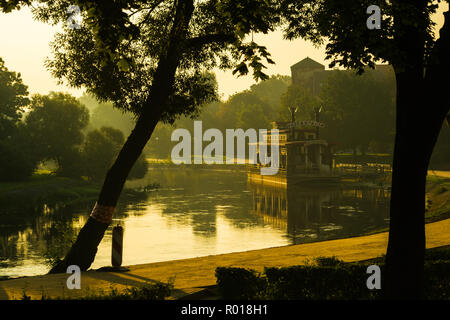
column 24, row 45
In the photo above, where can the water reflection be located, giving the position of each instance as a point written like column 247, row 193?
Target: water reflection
column 312, row 213
column 196, row 212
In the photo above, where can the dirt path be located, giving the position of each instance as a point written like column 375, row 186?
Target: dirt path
column 191, row 274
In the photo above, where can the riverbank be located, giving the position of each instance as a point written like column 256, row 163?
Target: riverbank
column 48, row 187
column 191, row 276
column 20, row 200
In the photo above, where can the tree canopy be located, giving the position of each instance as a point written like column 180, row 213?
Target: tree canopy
column 359, row 111
column 114, row 53
column 13, row 99
column 55, row 125
column 341, row 24
column 16, row 161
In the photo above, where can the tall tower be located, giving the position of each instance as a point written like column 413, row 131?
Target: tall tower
column 308, row 73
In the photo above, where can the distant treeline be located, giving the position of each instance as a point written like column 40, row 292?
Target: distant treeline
column 82, row 137
column 358, row 111
column 56, row 129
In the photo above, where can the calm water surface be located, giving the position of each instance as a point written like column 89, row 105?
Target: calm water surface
column 198, row 212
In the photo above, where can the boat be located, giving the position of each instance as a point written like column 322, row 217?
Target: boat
column 304, row 158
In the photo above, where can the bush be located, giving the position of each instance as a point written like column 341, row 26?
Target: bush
column 437, row 279
column 318, row 283
column 329, row 279
column 239, row 283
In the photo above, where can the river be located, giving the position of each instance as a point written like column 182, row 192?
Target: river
column 199, row 212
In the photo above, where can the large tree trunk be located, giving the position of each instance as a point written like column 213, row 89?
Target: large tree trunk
column 405, row 254
column 84, row 249
column 422, row 103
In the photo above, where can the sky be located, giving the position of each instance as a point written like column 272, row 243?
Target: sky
column 24, row 46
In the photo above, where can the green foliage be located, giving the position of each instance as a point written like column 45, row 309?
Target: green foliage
column 105, row 115
column 269, row 91
column 116, row 51
column 323, row 282
column 298, row 96
column 13, row 99
column 363, row 104
column 16, row 161
column 253, row 108
column 10, row 5
column 244, row 110
column 238, row 283
column 55, row 126
column 99, row 150
column 342, row 23
column 330, row 279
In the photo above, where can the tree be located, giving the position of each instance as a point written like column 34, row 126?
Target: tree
column 150, row 57
column 270, row 91
column 55, row 125
column 300, row 97
column 13, row 99
column 99, row 151
column 406, row 41
column 232, row 113
column 105, row 115
column 253, row 108
column 16, row 162
column 364, row 104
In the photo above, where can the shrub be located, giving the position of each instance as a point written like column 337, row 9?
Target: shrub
column 239, row 283
column 329, row 279
column 328, row 261
column 317, row 283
